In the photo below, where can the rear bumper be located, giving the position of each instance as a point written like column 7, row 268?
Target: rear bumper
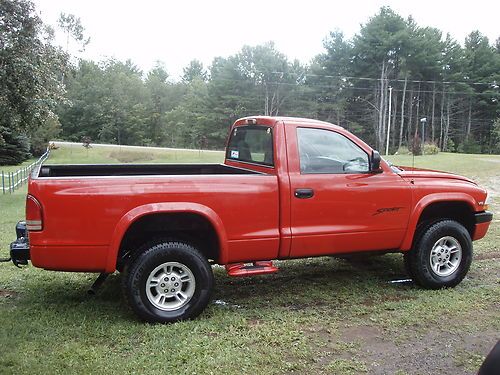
column 20, row 248
column 482, row 221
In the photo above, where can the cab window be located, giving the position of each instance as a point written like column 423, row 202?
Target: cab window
column 251, row 144
column 325, row 151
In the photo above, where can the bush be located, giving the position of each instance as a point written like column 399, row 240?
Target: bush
column 431, row 149
column 416, row 146
column 469, row 146
column 495, row 137
column 403, row 150
column 450, row 146
column 45, row 133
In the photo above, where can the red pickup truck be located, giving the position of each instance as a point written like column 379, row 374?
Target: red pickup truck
column 289, row 188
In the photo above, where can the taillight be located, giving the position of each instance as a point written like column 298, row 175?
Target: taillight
column 34, row 220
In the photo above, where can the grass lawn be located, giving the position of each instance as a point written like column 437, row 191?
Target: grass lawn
column 319, row 315
column 77, row 154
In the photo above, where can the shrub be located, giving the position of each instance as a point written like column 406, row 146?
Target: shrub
column 13, row 148
column 416, row 146
column 450, row 145
column 469, row 146
column 403, row 150
column 45, row 133
column 495, row 137
column 431, row 149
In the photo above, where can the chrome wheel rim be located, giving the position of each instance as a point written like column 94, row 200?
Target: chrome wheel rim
column 446, row 255
column 170, row 286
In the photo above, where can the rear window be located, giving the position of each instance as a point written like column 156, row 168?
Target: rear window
column 251, row 144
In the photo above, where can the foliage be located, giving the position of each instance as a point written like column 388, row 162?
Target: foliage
column 431, row 76
column 73, row 28
column 450, row 146
column 421, row 72
column 41, row 137
column 30, row 74
column 403, row 150
column 108, row 103
column 469, row 146
column 15, row 148
column 495, row 136
column 430, row 149
column 416, row 146
column 194, row 70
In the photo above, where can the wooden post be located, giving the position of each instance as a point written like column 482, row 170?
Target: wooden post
column 3, row 183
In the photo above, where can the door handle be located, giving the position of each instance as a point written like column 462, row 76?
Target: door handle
column 304, row 193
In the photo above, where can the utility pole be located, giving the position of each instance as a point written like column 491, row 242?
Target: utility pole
column 389, row 122
column 423, row 121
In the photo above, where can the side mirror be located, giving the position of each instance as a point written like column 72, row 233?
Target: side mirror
column 375, row 161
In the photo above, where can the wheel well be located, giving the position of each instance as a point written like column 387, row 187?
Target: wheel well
column 186, row 227
column 458, row 211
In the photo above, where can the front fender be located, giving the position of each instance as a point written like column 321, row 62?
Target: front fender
column 425, row 202
column 168, row 207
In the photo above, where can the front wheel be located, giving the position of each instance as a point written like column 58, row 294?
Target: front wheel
column 441, row 256
column 168, row 282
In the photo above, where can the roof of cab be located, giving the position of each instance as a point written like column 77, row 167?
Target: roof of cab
column 271, row 120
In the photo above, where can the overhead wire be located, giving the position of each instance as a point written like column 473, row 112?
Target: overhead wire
column 390, row 79
column 466, row 93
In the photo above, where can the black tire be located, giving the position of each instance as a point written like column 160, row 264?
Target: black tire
column 418, row 259
column 189, row 260
column 421, row 229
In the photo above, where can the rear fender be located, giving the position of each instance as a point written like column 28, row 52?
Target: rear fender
column 167, row 207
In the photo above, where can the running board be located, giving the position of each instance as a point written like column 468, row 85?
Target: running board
column 257, row 268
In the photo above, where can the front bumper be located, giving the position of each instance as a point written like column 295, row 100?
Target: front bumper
column 20, row 248
column 483, row 217
column 482, row 223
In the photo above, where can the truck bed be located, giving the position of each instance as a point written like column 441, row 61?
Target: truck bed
column 84, row 207
column 86, row 170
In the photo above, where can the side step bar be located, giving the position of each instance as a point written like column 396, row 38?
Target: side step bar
column 256, row 268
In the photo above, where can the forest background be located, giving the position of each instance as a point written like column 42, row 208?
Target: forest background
column 393, row 70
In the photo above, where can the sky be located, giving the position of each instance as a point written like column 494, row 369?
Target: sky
column 175, row 32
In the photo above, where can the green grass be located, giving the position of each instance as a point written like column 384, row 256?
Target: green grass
column 77, row 154
column 318, row 315
column 13, row 168
column 472, row 166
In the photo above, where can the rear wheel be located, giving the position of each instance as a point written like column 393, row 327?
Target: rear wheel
column 168, row 282
column 441, row 255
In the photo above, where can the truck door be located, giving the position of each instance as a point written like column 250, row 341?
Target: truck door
column 338, row 204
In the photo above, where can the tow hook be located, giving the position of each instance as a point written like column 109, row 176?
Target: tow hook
column 20, row 248
column 20, row 252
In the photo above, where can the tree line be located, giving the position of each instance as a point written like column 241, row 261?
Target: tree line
column 392, row 70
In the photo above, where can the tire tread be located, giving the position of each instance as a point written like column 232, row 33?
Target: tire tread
column 153, row 249
column 415, row 259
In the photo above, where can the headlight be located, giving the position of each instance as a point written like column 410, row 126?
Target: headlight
column 487, row 201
